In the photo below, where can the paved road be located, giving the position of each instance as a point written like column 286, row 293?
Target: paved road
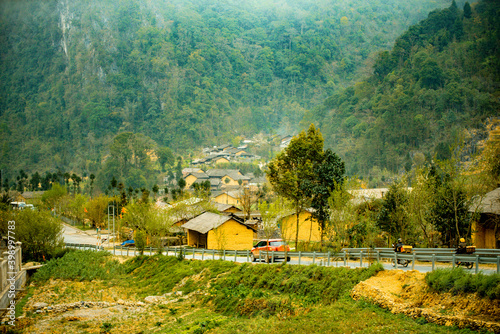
column 74, row 235
column 422, row 267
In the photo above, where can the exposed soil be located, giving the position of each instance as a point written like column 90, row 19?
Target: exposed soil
column 406, row 292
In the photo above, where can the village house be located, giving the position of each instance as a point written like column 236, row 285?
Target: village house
column 227, row 197
column 218, row 231
column 193, row 177
column 189, row 170
column 483, row 231
column 229, row 177
column 309, row 229
column 226, row 208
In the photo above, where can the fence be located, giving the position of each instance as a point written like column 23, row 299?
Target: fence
column 84, row 246
column 363, row 256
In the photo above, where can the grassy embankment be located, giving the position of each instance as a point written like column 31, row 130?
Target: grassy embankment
column 231, row 298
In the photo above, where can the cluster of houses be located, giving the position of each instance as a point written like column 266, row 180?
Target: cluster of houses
column 225, row 154
column 225, row 184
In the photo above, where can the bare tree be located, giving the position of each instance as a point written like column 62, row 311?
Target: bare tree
column 247, row 198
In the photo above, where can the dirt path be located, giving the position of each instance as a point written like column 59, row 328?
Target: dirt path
column 406, row 292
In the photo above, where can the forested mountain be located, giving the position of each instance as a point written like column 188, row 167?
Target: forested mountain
column 75, row 73
column 440, row 82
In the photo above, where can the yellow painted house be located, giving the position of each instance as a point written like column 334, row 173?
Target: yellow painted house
column 221, row 160
column 213, row 231
column 483, row 231
column 228, row 177
column 309, row 229
column 226, row 208
column 193, row 177
column 229, row 197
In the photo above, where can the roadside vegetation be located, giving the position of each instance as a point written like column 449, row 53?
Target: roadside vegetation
column 215, row 297
column 458, row 281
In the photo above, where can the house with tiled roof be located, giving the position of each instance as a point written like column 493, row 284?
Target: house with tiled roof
column 488, row 210
column 228, row 177
column 218, row 231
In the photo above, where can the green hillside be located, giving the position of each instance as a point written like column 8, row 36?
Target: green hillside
column 440, row 82
column 73, row 74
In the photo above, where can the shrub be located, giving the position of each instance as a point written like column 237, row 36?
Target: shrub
column 39, row 232
column 79, row 265
column 250, row 287
column 458, row 281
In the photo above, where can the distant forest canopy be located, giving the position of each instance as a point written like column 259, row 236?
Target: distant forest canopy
column 74, row 74
column 436, row 87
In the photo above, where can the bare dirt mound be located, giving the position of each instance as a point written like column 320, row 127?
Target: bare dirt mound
column 406, row 292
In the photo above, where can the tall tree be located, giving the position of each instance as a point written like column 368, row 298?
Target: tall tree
column 97, row 210
column 328, row 173
column 393, row 217
column 467, row 10
column 291, row 171
column 165, row 156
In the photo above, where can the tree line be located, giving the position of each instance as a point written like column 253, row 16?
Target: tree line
column 434, row 204
column 438, row 83
column 184, row 74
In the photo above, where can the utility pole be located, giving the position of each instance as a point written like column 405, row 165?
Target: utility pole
column 113, row 223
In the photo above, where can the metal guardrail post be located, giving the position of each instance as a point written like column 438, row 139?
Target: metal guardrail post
column 413, row 262
column 300, row 256
column 235, row 253
column 175, row 252
column 134, row 251
column 260, row 256
column 150, row 250
column 272, row 256
column 128, row 249
column 345, row 258
column 114, row 250
column 453, row 260
column 433, row 261
column 202, row 253
column 378, row 256
column 193, row 253
column 224, row 254
column 248, row 254
column 314, row 257
column 328, row 261
column 213, row 254
column 361, row 259
column 498, row 264
column 395, row 259
column 477, row 263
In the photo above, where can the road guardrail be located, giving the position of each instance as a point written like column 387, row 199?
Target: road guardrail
column 365, row 256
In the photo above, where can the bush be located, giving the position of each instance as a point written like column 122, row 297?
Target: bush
column 39, row 232
column 247, row 285
column 79, row 265
column 140, row 241
column 458, row 281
